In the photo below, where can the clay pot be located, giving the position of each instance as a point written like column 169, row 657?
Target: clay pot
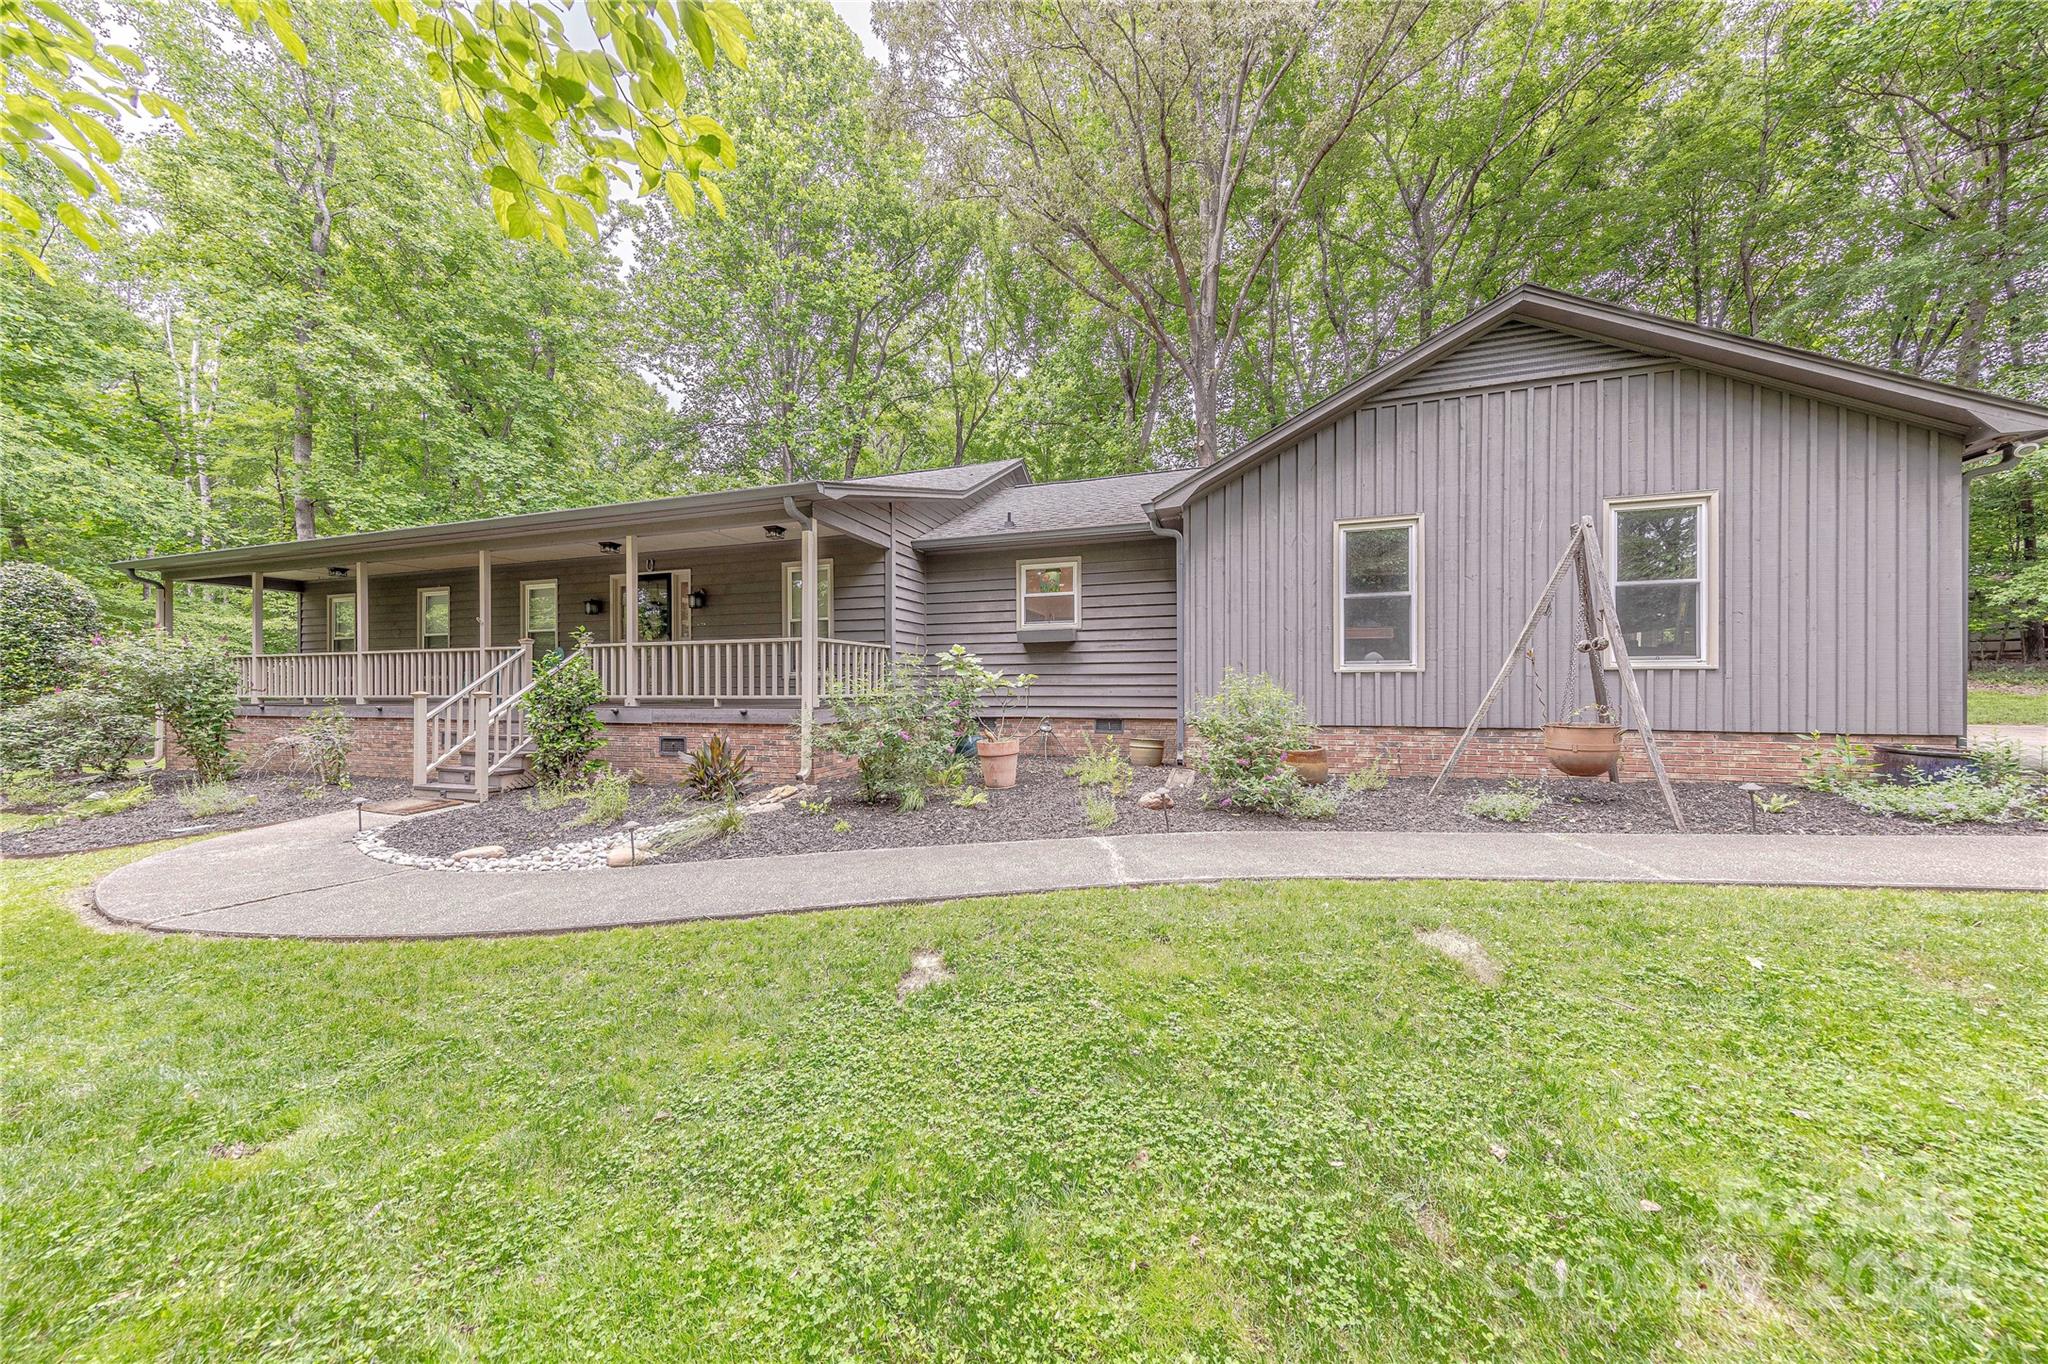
column 1311, row 765
column 998, row 761
column 1582, row 750
column 1148, row 752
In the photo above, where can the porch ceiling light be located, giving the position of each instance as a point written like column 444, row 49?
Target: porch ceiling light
column 337, row 571
column 609, row 546
column 776, row 532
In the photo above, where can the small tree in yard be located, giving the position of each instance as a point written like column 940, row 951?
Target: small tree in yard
column 47, row 621
column 191, row 685
column 561, row 719
column 897, row 731
column 1247, row 730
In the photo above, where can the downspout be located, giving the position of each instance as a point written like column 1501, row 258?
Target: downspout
column 2008, row 455
column 1180, row 632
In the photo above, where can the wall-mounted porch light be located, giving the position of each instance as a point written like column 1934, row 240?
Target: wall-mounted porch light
column 699, row 599
column 593, row 606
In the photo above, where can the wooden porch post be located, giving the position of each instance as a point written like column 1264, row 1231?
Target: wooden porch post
column 362, row 632
column 419, row 739
column 483, row 599
column 256, row 614
column 629, row 603
column 807, row 648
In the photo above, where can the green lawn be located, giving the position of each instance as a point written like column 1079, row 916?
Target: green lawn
column 1188, row 1123
column 2008, row 706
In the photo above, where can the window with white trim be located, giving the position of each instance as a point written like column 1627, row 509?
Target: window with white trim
column 793, row 597
column 539, row 619
column 1048, row 593
column 1659, row 559
column 341, row 622
column 1379, row 589
column 434, row 617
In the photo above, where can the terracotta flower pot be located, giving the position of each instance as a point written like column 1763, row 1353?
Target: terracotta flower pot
column 998, row 761
column 1311, row 765
column 1582, row 750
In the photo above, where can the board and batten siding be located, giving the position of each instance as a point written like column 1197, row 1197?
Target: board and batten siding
column 1121, row 663
column 1839, row 562
column 744, row 587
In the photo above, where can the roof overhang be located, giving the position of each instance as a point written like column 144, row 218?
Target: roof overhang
column 1025, row 539
column 531, row 529
column 1983, row 421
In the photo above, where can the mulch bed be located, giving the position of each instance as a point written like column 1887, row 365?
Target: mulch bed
column 1046, row 803
column 271, row 800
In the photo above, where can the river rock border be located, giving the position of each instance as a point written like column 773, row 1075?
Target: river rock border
column 587, row 854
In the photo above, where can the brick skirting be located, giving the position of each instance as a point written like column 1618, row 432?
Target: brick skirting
column 1688, row 756
column 383, row 748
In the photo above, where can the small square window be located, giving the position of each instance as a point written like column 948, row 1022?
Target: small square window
column 1049, row 593
column 1379, row 579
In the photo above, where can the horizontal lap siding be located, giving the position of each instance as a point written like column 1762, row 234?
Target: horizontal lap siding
column 1513, row 352
column 1840, row 554
column 1122, row 663
column 743, row 587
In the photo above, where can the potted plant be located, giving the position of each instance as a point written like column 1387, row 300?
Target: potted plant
column 1311, row 765
column 982, row 698
column 1583, row 748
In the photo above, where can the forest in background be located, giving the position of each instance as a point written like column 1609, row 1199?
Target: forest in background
column 1097, row 237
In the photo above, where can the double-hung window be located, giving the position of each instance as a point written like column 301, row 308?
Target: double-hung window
column 1660, row 553
column 341, row 622
column 1049, row 593
column 1379, row 594
column 433, row 613
column 793, row 598
column 538, row 618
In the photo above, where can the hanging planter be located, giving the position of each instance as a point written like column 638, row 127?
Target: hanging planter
column 1582, row 750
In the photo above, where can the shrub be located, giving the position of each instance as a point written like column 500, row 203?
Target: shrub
column 730, row 821
column 72, row 731
column 50, row 619
column 323, row 744
column 842, row 826
column 717, row 770
column 1102, row 766
column 191, row 684
column 897, row 731
column 111, row 802
column 32, row 789
column 606, row 797
column 1517, row 804
column 1248, row 728
column 1371, row 777
column 909, row 799
column 820, row 806
column 1965, row 798
column 561, row 718
column 1836, row 767
column 1312, row 804
column 1777, row 803
column 1099, row 810
column 970, row 799
column 203, row 800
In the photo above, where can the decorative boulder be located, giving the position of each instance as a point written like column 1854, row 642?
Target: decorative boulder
column 624, row 856
column 484, row 853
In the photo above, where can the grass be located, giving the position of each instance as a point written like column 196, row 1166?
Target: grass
column 1191, row 1122
column 2008, row 696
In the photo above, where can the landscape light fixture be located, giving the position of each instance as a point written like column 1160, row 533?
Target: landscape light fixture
column 632, row 828
column 1751, row 790
column 359, row 803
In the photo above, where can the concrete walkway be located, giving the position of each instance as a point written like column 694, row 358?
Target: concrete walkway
column 307, row 879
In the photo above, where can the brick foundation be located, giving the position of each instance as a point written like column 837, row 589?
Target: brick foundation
column 1688, row 756
column 383, row 748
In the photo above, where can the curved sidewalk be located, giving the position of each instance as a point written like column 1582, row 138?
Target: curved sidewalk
column 307, row 879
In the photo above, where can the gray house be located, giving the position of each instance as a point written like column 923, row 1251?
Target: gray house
column 1785, row 534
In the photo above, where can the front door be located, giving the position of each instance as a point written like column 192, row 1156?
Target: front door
column 664, row 606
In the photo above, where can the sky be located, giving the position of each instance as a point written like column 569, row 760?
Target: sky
column 859, row 16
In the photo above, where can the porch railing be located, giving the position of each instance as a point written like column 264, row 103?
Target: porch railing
column 680, row 670
column 386, row 674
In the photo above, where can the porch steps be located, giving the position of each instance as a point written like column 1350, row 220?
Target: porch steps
column 456, row 778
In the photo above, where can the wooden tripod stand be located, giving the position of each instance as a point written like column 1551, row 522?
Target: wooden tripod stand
column 1597, row 600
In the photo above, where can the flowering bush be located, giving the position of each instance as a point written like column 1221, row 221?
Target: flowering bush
column 965, row 688
column 1247, row 729
column 192, row 685
column 898, row 731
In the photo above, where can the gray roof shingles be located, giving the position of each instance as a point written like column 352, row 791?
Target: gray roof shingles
column 954, row 478
column 1039, row 508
